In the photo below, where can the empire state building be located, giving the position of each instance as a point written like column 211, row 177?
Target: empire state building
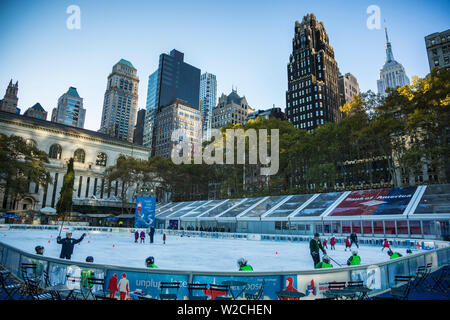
column 392, row 74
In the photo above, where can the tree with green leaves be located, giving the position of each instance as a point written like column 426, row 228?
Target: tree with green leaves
column 64, row 204
column 20, row 164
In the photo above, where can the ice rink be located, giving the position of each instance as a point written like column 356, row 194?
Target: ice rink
column 188, row 253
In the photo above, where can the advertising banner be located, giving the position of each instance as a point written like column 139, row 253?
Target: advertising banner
column 130, row 285
column 145, row 212
column 386, row 201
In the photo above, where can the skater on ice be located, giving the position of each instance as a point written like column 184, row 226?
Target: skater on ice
column 67, row 245
column 354, row 240
column 243, row 266
column 324, row 243
column 39, row 250
column 136, row 236
column 354, row 259
column 142, row 236
column 314, row 246
column 151, row 233
column 332, row 242
column 150, row 263
column 385, row 245
column 394, row 255
column 325, row 263
column 164, row 238
column 347, row 244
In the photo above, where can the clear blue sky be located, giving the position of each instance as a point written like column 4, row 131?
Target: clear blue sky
column 245, row 43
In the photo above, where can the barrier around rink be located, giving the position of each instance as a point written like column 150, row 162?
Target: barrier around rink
column 145, row 282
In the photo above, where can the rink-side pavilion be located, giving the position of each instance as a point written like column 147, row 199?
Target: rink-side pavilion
column 410, row 212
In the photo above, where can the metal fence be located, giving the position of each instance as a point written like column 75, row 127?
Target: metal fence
column 378, row 277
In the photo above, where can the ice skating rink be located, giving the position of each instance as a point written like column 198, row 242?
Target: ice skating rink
column 188, row 253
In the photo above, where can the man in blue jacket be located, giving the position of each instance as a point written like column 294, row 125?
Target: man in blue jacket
column 67, row 245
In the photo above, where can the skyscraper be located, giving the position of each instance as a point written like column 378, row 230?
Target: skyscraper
column 208, row 93
column 174, row 79
column 438, row 49
column 178, row 115
column 348, row 87
column 392, row 74
column 312, row 97
column 70, row 109
column 120, row 102
column 10, row 100
column 139, row 128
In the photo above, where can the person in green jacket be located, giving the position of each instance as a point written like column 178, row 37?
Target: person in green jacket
column 87, row 274
column 394, row 255
column 39, row 251
column 354, row 260
column 150, row 262
column 314, row 246
column 325, row 263
column 243, row 266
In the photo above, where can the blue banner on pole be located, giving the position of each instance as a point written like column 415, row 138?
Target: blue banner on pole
column 145, row 212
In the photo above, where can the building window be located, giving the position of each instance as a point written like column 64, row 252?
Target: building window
column 79, row 155
column 55, row 152
column 101, row 159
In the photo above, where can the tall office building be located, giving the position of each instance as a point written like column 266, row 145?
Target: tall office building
column 174, row 79
column 348, row 87
column 177, row 115
column 231, row 108
column 70, row 109
column 139, row 127
column 120, row 102
column 438, row 49
column 10, row 100
column 392, row 74
column 312, row 97
column 208, row 93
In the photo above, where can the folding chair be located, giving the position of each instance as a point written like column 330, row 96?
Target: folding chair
column 402, row 292
column 192, row 287
column 11, row 289
column 336, row 285
column 352, row 284
column 220, row 287
column 76, row 292
column 441, row 280
column 257, row 295
column 94, row 284
column 169, row 285
column 31, row 280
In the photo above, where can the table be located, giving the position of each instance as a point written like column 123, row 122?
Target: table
column 295, row 295
column 363, row 290
column 233, row 283
column 339, row 293
column 61, row 288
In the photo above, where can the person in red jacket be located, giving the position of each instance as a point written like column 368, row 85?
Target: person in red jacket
column 112, row 286
column 347, row 244
column 324, row 243
column 332, row 242
column 164, row 238
column 385, row 245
